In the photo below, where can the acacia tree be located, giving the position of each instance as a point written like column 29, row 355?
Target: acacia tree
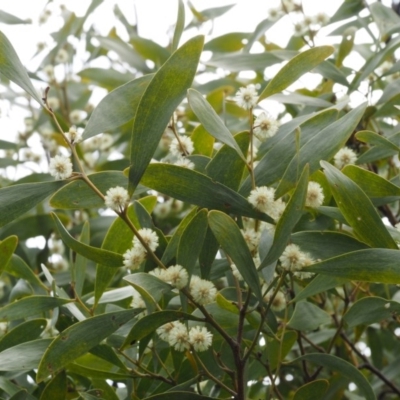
column 195, row 246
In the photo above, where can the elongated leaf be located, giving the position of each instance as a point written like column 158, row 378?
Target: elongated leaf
column 377, row 188
column 279, row 155
column 312, row 391
column 78, row 194
column 323, row 146
column 288, row 220
column 149, row 323
column 56, row 388
column 29, row 306
column 195, row 188
column 104, row 257
column 18, row 199
column 241, row 62
column 78, row 267
column 358, row 210
column 370, row 265
column 7, row 18
column 278, row 350
column 232, row 242
column 295, row 68
column 25, row 332
column 375, row 139
column 173, row 395
column 192, row 240
column 12, row 68
column 78, row 339
column 24, row 356
column 180, row 25
column 308, row 317
column 7, row 248
column 347, row 370
column 117, row 108
column 211, row 121
column 163, row 94
column 370, row 310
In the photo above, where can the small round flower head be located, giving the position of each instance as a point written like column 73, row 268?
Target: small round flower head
column 56, row 246
column 265, row 127
column 62, row 56
column 279, row 301
column 75, row 116
column 106, row 141
column 247, row 97
column 150, row 238
column 60, row 265
column 203, row 291
column 73, row 135
column 251, row 237
column 177, row 276
column 117, row 198
column 274, row 13
column 300, row 28
column 315, row 195
column 306, row 262
column 343, row 157
column 236, row 272
column 49, row 71
column 53, row 103
column 159, row 273
column 60, row 167
column 138, row 302
column 179, row 337
column 321, row 19
column 184, row 148
column 134, row 257
column 277, row 209
column 200, row 338
column 262, row 198
column 164, row 330
column 292, row 258
column 184, row 162
column 289, row 5
column 162, row 210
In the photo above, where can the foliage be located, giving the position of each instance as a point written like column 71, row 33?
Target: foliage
column 198, row 244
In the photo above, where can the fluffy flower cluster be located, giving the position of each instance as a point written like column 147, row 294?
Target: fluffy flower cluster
column 265, row 127
column 73, row 135
column 137, row 254
column 180, row 338
column 315, row 195
column 117, row 198
column 183, row 147
column 343, row 157
column 60, row 167
column 202, row 291
column 278, row 302
column 294, row 260
column 247, row 97
column 175, row 275
column 262, row 198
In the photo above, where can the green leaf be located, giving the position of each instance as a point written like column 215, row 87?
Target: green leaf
column 160, row 99
column 259, row 31
column 245, row 62
column 179, row 396
column 7, row 18
column 385, row 18
column 149, row 49
column 203, row 142
column 288, row 220
column 232, row 242
column 30, row 306
column 78, row 194
column 7, row 248
column 12, row 68
column 377, row 188
column 375, row 139
column 78, row 267
column 347, row 370
column 107, row 78
column 312, row 391
column 211, row 121
column 229, row 42
column 104, row 257
column 195, row 188
column 117, row 108
column 370, row 265
column 231, row 174
column 358, row 210
column 308, row 317
column 323, row 146
column 191, row 241
column 295, row 68
column 179, row 26
column 56, row 388
column 273, row 164
column 18, row 199
column 25, row 332
column 150, row 287
column 278, row 350
column 78, row 339
column 149, row 323
column 370, row 310
column 23, row 356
